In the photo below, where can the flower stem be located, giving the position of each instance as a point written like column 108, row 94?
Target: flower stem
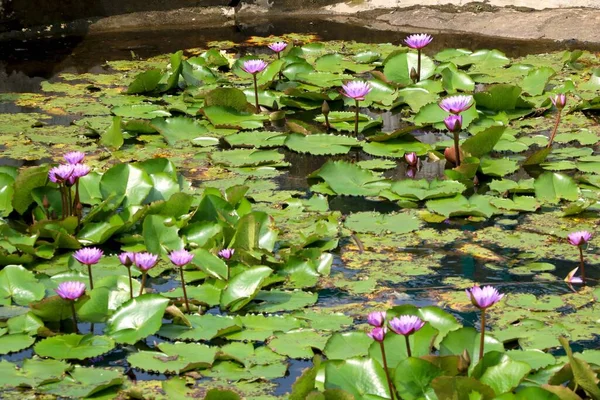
column 280, row 73
column 408, row 352
column 143, row 283
column 130, row 282
column 256, row 94
column 90, row 274
column 69, row 200
column 419, row 65
column 74, row 316
column 581, row 263
column 556, row 123
column 76, row 200
column 187, row 304
column 385, row 367
column 456, row 148
column 63, row 200
column 482, row 342
column 356, row 120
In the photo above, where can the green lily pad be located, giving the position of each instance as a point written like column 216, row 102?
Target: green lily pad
column 372, row 222
column 174, row 358
column 320, row 144
column 137, row 318
column 74, row 346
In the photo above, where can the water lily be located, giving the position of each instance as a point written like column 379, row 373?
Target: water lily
column 254, row 67
column 580, row 239
column 418, row 42
column 411, row 159
column 376, row 318
column 378, row 335
column 61, row 173
column 127, row 258
column 559, row 101
column 88, row 256
column 144, row 261
column 278, row 47
column 454, row 125
column 571, row 278
column 79, row 170
column 456, row 104
column 74, row 157
column 356, row 90
column 483, row 298
column 226, row 253
column 406, row 325
column 71, row 291
column 181, row 258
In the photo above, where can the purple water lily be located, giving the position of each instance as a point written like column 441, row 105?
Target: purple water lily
column 278, row 47
column 579, row 239
column 483, row 298
column 74, row 157
column 88, row 256
column 377, row 333
column 79, row 170
column 406, row 325
column 127, row 258
column 356, row 90
column 254, row 67
column 61, row 173
column 226, row 253
column 454, row 125
column 411, row 159
column 71, row 290
column 418, row 40
column 376, row 318
column 144, row 261
column 181, row 258
column 456, row 104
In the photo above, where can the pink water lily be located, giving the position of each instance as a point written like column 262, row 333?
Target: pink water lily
column 226, row 253
column 79, row 170
column 74, row 157
column 406, row 324
column 453, row 122
column 484, row 297
column 88, row 255
column 356, row 90
column 61, row 173
column 418, row 40
column 278, row 47
column 71, row 290
column 579, row 238
column 377, row 333
column 254, row 66
column 411, row 159
column 456, row 104
column 559, row 100
column 127, row 258
column 181, row 257
column 145, row 260
column 376, row 318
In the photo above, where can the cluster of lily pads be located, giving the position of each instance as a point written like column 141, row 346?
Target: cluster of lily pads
column 237, row 275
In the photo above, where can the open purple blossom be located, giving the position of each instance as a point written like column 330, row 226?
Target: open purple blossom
column 579, row 238
column 278, row 47
column 254, row 66
column 61, row 173
column 456, row 104
column 418, row 40
column 71, row 290
column 377, row 334
column 127, row 258
column 88, row 255
column 559, row 100
column 411, row 159
column 74, row 157
column 453, row 122
column 79, row 170
column 226, row 253
column 484, row 297
column 145, row 260
column 181, row 257
column 406, row 324
column 356, row 90
column 376, row 318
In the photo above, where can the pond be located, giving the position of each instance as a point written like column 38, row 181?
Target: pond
column 301, row 218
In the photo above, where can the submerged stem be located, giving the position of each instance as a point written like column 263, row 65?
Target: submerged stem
column 581, row 264
column 387, row 372
column 90, row 274
column 482, row 342
column 456, row 148
column 187, row 304
column 556, row 123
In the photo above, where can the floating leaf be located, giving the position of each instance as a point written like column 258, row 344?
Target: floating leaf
column 372, row 222
column 174, row 358
column 74, row 346
column 136, row 319
column 320, row 144
column 19, row 285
